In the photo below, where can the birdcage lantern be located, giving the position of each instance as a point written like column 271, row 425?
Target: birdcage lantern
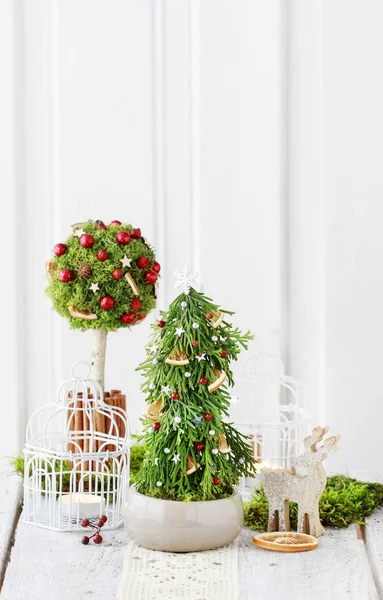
column 272, row 412
column 76, row 457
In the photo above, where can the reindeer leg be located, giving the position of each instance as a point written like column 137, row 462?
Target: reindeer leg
column 301, row 520
column 281, row 512
column 271, row 522
column 316, row 528
column 287, row 515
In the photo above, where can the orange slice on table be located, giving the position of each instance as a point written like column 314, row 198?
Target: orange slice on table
column 215, row 319
column 285, row 541
column 132, row 284
column 220, row 379
column 82, row 313
column 153, row 411
column 177, row 360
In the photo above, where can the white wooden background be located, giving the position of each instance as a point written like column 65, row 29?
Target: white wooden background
column 245, row 138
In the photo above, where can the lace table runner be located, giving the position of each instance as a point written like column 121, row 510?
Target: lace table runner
column 154, row 575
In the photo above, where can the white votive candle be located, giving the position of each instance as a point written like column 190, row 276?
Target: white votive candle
column 91, row 506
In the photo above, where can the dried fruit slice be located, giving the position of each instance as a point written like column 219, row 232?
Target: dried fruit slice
column 132, row 284
column 191, row 465
column 221, row 376
column 215, row 318
column 153, row 411
column 223, row 446
column 82, row 313
column 177, row 360
column 50, row 268
column 286, row 541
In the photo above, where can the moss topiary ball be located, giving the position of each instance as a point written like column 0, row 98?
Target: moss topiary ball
column 103, row 276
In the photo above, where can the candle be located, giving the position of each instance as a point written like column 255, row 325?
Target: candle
column 85, row 506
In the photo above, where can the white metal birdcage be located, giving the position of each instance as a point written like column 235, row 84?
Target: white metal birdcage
column 76, row 458
column 271, row 411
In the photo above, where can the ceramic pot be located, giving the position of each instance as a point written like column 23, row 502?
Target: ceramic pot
column 182, row 526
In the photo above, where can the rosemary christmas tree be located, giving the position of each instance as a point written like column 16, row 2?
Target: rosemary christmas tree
column 193, row 452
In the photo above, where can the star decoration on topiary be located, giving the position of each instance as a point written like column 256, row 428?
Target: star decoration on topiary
column 185, row 280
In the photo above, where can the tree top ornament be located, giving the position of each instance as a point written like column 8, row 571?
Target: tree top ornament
column 103, row 277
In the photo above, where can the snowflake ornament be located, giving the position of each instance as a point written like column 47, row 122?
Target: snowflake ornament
column 185, row 280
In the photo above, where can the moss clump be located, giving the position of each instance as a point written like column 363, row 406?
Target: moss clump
column 344, row 501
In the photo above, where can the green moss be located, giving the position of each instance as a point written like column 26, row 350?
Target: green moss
column 78, row 293
column 344, row 501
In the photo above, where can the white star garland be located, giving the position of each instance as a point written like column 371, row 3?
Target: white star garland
column 179, row 331
column 176, row 458
column 78, row 232
column 165, row 389
column 185, row 280
column 234, row 399
column 94, row 287
column 200, row 357
column 125, row 262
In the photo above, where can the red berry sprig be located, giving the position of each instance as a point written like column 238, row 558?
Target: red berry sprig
column 161, row 324
column 224, row 354
column 175, row 396
column 216, row 481
column 199, row 446
column 203, row 381
column 97, row 538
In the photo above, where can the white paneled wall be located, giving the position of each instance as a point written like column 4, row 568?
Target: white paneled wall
column 245, row 138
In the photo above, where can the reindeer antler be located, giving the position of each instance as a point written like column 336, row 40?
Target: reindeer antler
column 330, row 445
column 316, row 436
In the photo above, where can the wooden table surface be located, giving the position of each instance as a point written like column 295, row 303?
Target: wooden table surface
column 38, row 564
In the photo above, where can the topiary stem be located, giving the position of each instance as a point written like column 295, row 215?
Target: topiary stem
column 98, row 356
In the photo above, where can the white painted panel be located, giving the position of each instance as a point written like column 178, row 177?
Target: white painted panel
column 242, row 74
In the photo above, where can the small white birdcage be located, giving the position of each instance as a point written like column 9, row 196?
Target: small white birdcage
column 271, row 412
column 76, row 458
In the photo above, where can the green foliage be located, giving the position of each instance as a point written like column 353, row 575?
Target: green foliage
column 344, row 501
column 178, row 439
column 78, row 293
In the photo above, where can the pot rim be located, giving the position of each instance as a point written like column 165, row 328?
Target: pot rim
column 236, row 493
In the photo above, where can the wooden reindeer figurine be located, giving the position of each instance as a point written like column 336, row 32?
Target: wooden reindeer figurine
column 284, row 485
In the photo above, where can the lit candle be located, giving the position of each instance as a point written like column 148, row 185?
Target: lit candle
column 90, row 505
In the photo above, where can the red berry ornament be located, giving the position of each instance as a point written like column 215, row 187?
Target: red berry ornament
column 156, row 267
column 175, row 395
column 143, row 262
column 128, row 317
column 97, row 538
column 135, row 233
column 151, row 277
column 114, row 223
column 203, row 381
column 60, row 249
column 100, row 225
column 195, row 343
column 85, row 540
column 161, row 324
column 136, row 304
column 107, row 302
column 104, row 518
column 117, row 274
column 216, row 481
column 85, row 523
column 65, row 275
column 224, row 354
column 199, row 446
column 208, row 417
column 156, row 426
column 100, row 523
column 86, row 240
column 123, row 238
column 102, row 255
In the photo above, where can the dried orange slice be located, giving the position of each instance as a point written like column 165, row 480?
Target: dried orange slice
column 191, row 465
column 153, row 411
column 286, row 541
column 50, row 268
column 215, row 319
column 132, row 284
column 82, row 313
column 221, row 376
column 223, row 446
column 177, row 360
